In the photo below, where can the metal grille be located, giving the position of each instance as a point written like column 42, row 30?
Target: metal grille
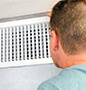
column 24, row 42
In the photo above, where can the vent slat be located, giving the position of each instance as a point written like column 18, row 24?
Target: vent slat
column 1, row 45
column 7, row 46
column 44, row 41
column 10, row 44
column 28, row 39
column 16, row 54
column 32, row 56
column 29, row 42
column 18, row 43
column 4, row 45
column 35, row 41
column 25, row 43
column 42, row 31
column 40, row 41
column 14, row 44
column 31, row 47
column 48, row 39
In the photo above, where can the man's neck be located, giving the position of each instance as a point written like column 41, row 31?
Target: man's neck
column 75, row 60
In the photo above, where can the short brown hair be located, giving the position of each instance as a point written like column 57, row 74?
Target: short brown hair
column 68, row 19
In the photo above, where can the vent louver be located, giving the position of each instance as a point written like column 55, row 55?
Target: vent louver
column 24, row 42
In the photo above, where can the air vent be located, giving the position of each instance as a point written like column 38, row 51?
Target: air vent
column 24, row 42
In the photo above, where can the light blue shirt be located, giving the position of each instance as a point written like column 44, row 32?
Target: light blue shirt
column 72, row 78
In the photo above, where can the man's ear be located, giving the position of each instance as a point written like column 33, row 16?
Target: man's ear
column 55, row 41
column 49, row 14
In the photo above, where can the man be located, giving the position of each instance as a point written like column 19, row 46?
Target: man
column 68, row 45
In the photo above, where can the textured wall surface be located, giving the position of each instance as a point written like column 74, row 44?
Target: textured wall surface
column 25, row 78
column 10, row 8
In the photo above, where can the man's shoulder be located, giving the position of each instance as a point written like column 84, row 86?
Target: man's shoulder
column 48, row 85
column 66, row 79
column 56, row 82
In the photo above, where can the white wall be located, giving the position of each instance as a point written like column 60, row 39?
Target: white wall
column 10, row 8
column 25, row 78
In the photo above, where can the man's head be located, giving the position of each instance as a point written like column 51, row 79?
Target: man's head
column 68, row 24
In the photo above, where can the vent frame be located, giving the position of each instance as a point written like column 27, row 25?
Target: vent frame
column 6, row 27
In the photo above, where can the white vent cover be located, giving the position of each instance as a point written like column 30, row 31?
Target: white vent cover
column 24, row 42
